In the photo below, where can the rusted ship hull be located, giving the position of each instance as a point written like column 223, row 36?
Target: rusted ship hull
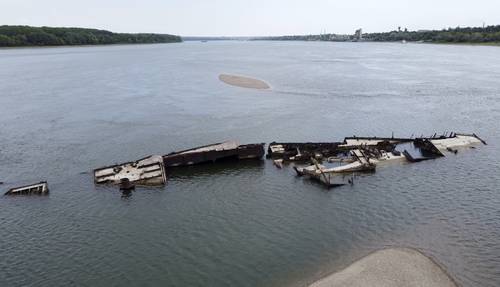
column 214, row 153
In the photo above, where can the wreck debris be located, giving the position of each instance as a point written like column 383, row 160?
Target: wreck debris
column 380, row 142
column 251, row 151
column 412, row 158
column 422, row 149
column 40, row 188
column 332, row 177
column 363, row 154
column 435, row 146
column 354, row 154
column 339, row 159
column 361, row 164
column 213, row 153
column 151, row 171
column 457, row 140
column 301, row 151
column 146, row 171
column 278, row 163
column 384, row 156
column 318, row 172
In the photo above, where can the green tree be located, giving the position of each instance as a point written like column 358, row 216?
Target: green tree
column 6, row 41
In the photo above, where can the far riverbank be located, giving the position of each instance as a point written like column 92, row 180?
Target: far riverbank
column 27, row 36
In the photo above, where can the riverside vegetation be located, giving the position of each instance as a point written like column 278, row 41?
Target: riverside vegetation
column 474, row 35
column 489, row 34
column 13, row 36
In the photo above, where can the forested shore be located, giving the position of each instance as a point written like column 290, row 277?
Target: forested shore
column 489, row 34
column 472, row 35
column 18, row 36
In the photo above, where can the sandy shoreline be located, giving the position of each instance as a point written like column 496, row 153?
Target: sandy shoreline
column 396, row 267
column 243, row 82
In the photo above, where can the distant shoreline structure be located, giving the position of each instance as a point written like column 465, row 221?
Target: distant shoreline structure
column 28, row 36
column 468, row 35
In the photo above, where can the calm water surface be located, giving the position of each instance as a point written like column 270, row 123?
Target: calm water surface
column 66, row 111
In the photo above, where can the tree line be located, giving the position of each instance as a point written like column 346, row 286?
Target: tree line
column 489, row 34
column 13, row 36
column 451, row 35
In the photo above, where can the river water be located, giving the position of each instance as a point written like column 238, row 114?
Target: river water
column 66, row 111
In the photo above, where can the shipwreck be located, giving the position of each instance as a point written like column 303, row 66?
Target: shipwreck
column 364, row 154
column 152, row 170
column 330, row 163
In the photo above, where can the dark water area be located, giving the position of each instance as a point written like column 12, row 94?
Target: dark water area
column 66, row 111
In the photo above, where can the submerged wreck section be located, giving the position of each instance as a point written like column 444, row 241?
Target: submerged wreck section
column 364, row 154
column 151, row 171
column 327, row 162
column 334, row 175
column 297, row 152
column 320, row 173
column 214, row 152
column 40, row 188
column 147, row 171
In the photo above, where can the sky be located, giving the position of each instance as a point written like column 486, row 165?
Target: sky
column 250, row 17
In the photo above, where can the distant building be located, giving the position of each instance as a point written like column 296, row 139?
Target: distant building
column 358, row 35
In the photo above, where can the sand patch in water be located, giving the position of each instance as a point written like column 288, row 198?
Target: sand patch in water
column 397, row 267
column 243, row 82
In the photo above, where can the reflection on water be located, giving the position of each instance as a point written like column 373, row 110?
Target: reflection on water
column 220, row 168
column 66, row 111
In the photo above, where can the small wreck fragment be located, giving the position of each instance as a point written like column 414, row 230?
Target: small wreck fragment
column 147, row 171
column 214, row 152
column 40, row 188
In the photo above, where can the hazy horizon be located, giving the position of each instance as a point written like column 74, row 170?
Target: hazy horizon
column 238, row 18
